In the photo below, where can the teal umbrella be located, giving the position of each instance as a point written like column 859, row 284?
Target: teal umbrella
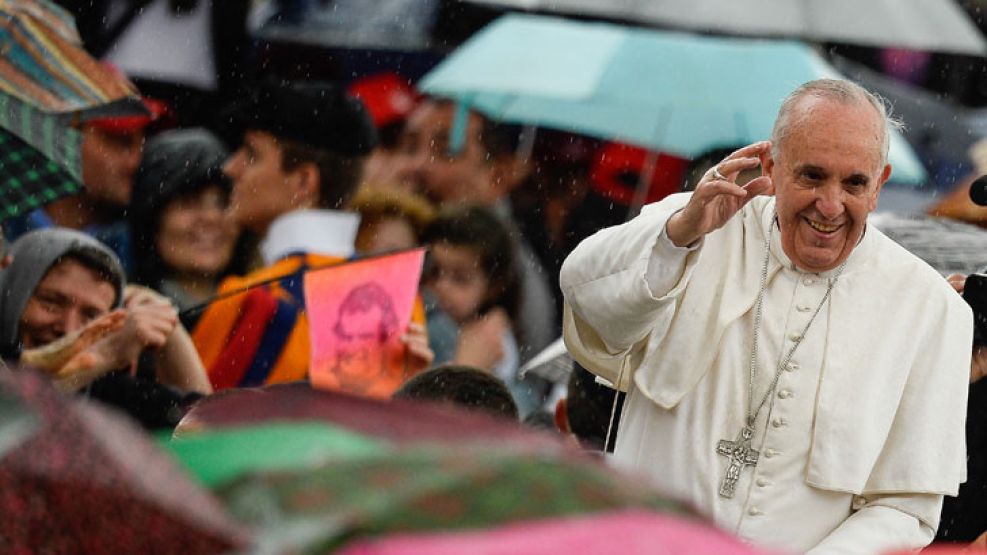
column 674, row 92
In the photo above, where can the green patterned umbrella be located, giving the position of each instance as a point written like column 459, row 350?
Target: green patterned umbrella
column 28, row 178
column 313, row 497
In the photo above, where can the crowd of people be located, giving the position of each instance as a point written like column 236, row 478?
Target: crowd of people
column 782, row 365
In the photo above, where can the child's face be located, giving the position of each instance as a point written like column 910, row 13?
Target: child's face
column 458, row 281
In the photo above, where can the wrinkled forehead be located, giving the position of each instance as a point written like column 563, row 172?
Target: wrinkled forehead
column 854, row 129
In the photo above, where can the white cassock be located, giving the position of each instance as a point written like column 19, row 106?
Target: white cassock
column 864, row 432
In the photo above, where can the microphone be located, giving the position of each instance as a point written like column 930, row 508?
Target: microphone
column 978, row 191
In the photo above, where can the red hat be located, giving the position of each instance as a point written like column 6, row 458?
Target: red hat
column 125, row 125
column 617, row 169
column 387, row 96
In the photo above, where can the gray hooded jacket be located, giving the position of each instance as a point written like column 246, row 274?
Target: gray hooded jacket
column 34, row 254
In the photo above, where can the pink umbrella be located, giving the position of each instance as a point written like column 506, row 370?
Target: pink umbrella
column 629, row 533
column 401, row 421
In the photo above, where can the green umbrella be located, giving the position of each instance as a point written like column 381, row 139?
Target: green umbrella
column 319, row 507
column 216, row 457
column 28, row 178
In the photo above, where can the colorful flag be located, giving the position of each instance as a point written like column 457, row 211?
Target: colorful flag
column 357, row 314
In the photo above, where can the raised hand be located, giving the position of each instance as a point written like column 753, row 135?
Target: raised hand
column 718, row 197
column 147, row 321
column 481, row 341
column 151, row 318
column 63, row 355
column 418, row 355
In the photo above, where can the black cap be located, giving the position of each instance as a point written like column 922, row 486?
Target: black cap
column 315, row 113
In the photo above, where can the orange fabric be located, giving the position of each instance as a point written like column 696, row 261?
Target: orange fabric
column 292, row 365
column 216, row 327
column 236, row 357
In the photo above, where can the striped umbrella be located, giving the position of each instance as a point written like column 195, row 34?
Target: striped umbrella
column 48, row 86
column 45, row 66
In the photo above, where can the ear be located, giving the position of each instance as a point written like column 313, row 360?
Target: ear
column 767, row 162
column 885, row 174
column 306, row 185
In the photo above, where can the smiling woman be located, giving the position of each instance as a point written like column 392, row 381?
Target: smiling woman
column 183, row 240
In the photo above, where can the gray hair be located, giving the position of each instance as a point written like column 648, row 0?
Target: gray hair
column 838, row 90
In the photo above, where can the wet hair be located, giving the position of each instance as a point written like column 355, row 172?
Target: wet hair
column 480, row 230
column 588, row 407
column 837, row 90
column 313, row 122
column 106, row 268
column 463, row 386
column 339, row 175
column 176, row 164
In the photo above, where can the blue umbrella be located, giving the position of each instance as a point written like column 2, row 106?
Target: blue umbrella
column 674, row 92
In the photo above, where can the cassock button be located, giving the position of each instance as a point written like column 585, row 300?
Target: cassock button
column 792, row 366
column 785, row 394
column 808, row 281
column 779, row 422
column 803, row 308
column 754, row 511
column 795, row 337
column 770, row 453
column 762, row 483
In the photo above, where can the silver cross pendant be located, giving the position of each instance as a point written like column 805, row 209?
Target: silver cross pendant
column 741, row 456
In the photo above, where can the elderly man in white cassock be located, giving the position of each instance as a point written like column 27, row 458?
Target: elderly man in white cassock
column 790, row 370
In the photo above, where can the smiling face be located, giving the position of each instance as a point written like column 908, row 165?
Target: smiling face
column 69, row 296
column 458, row 281
column 194, row 236
column 827, row 172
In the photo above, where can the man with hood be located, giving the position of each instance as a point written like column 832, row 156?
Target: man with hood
column 65, row 307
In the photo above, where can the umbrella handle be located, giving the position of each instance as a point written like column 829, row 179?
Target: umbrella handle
column 643, row 184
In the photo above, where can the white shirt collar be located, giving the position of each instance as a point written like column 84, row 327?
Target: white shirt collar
column 330, row 232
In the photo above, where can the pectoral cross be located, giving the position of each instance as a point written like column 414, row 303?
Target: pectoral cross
column 740, row 454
